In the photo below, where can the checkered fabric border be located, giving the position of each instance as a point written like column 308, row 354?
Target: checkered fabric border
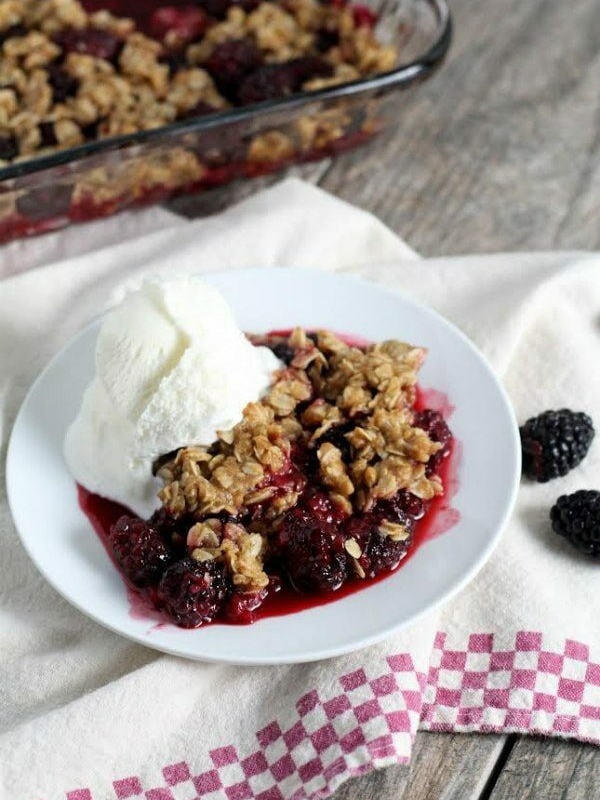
column 369, row 721
column 524, row 688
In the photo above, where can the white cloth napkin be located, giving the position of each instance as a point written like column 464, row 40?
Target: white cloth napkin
column 86, row 715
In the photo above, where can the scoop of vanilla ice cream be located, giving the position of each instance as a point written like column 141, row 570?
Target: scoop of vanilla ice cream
column 99, row 449
column 172, row 369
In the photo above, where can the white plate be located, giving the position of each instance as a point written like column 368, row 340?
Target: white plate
column 71, row 557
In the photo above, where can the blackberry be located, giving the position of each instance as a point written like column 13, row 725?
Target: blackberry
column 47, row 134
column 220, row 148
column 336, row 435
column 403, row 508
column 312, row 547
column 63, row 85
column 15, row 31
column 193, row 593
column 175, row 60
column 201, row 109
column 173, row 531
column 183, row 25
column 326, row 39
column 216, row 8
column 266, row 83
column 140, row 550
column 219, row 8
column 433, row 423
column 577, row 518
column 9, row 147
column 91, row 41
column 554, row 442
column 242, row 606
column 271, row 81
column 378, row 553
column 284, row 351
column 230, row 62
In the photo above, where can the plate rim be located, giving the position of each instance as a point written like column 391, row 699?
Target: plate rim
column 365, row 641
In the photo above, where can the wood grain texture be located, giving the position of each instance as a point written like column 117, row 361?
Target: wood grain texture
column 443, row 767
column 549, row 769
column 500, row 150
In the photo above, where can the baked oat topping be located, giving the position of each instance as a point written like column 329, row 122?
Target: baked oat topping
column 338, row 420
column 68, row 76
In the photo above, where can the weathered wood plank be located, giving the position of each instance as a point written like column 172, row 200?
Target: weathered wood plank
column 549, row 769
column 500, row 150
column 443, row 767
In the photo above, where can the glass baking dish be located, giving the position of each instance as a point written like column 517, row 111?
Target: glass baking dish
column 102, row 177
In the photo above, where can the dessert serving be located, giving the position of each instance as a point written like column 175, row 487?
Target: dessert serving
column 291, row 463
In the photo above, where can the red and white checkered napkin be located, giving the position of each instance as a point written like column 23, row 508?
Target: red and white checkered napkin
column 85, row 715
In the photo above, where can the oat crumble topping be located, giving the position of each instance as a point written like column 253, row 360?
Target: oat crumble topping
column 346, row 410
column 68, row 76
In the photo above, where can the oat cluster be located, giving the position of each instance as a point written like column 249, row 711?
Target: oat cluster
column 342, row 414
column 53, row 97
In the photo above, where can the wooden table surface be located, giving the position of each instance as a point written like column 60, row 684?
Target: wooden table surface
column 500, row 151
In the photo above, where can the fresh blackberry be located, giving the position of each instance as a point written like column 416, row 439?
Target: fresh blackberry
column 577, row 518
column 555, row 442
column 140, row 550
column 193, row 593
